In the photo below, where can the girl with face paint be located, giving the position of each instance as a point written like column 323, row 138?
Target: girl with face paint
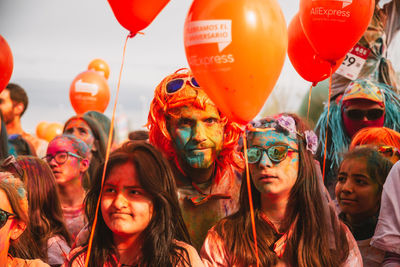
column 16, row 246
column 295, row 225
column 139, row 222
column 361, row 176
column 67, row 157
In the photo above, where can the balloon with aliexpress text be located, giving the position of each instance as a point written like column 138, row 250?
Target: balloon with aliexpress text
column 236, row 50
column 333, row 27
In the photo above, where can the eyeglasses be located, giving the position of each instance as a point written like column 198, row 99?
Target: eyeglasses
column 388, row 151
column 358, row 114
column 275, row 153
column 4, row 216
column 177, row 84
column 61, row 157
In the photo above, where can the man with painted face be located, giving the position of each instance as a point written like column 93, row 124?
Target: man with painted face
column 200, row 144
column 365, row 103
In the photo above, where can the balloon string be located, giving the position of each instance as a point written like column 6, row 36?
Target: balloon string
column 309, row 101
column 253, row 222
column 327, row 123
column 110, row 137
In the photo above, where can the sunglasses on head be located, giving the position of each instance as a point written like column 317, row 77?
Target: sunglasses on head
column 388, row 151
column 4, row 216
column 177, row 84
column 276, row 153
column 370, row 114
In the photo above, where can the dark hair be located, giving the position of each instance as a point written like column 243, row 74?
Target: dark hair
column 378, row 167
column 309, row 244
column 18, row 95
column 46, row 215
column 3, row 138
column 154, row 173
column 139, row 135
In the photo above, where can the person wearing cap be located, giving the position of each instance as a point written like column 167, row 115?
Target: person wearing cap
column 365, row 103
column 93, row 128
column 200, row 144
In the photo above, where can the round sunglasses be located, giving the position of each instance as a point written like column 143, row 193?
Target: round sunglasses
column 4, row 216
column 177, row 84
column 61, row 157
column 276, row 153
column 370, row 114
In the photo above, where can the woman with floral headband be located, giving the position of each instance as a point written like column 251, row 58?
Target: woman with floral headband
column 295, row 226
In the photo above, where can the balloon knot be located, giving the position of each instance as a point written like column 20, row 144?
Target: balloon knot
column 314, row 84
column 131, row 35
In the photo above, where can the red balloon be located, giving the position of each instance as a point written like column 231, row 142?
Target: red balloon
column 89, row 91
column 135, row 15
column 236, row 50
column 6, row 63
column 101, row 66
column 303, row 57
column 333, row 27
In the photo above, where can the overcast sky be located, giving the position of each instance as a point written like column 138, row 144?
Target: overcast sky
column 52, row 41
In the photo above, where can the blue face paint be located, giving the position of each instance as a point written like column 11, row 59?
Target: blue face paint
column 197, row 135
column 272, row 178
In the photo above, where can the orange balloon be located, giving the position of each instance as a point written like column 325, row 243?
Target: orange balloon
column 89, row 91
column 303, row 57
column 101, row 66
column 236, row 50
column 333, row 27
column 6, row 63
column 52, row 130
column 135, row 15
column 41, row 129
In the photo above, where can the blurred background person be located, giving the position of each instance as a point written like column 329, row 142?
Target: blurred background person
column 13, row 103
column 67, row 157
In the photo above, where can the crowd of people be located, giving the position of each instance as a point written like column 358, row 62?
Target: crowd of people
column 196, row 189
column 179, row 194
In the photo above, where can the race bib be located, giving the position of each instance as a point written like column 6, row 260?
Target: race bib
column 353, row 62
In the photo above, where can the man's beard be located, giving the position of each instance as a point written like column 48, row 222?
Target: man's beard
column 8, row 117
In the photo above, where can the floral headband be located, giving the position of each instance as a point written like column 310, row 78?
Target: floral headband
column 286, row 124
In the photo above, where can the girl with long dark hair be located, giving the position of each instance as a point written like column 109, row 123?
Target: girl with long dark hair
column 139, row 222
column 295, row 226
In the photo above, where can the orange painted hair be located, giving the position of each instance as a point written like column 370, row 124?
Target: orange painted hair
column 376, row 135
column 161, row 108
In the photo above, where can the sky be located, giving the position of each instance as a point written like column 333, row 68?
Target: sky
column 52, row 41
